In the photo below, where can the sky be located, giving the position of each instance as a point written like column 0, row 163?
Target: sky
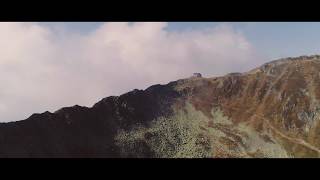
column 46, row 66
column 269, row 38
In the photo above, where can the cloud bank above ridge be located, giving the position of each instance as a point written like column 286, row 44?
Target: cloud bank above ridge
column 42, row 68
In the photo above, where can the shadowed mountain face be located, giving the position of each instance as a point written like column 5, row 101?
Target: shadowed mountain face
column 271, row 111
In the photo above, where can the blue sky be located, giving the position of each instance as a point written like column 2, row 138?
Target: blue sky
column 271, row 39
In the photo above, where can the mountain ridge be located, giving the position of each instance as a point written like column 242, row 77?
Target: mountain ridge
column 270, row 111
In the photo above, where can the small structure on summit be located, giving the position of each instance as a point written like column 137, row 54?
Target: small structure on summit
column 198, row 75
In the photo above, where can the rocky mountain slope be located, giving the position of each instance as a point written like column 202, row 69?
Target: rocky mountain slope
column 271, row 111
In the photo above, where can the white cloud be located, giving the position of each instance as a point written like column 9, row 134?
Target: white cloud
column 42, row 68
